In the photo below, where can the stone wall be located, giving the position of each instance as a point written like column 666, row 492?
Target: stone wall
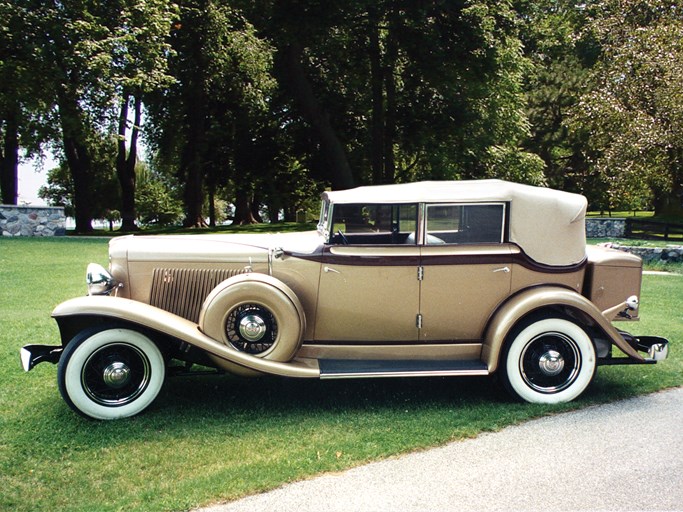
column 605, row 228
column 32, row 221
column 668, row 253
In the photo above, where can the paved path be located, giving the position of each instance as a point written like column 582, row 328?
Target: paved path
column 622, row 456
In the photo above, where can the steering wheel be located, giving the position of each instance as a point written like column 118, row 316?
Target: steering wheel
column 343, row 237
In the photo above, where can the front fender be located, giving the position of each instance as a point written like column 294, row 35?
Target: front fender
column 155, row 319
column 528, row 301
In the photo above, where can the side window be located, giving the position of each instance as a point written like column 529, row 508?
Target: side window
column 373, row 224
column 465, row 223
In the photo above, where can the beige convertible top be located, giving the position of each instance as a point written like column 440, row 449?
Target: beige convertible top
column 549, row 225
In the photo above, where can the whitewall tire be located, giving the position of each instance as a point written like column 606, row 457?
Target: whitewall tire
column 549, row 361
column 109, row 374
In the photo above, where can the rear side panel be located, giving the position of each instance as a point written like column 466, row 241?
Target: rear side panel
column 611, row 277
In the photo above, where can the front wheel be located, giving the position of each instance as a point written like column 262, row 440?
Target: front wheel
column 110, row 374
column 549, row 361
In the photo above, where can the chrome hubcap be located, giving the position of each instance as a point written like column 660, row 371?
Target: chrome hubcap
column 252, row 328
column 116, row 375
column 551, row 363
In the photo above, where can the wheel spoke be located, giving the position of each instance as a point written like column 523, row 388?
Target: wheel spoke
column 251, row 328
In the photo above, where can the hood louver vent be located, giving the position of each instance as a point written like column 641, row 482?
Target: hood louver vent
column 182, row 291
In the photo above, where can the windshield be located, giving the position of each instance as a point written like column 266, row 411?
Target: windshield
column 323, row 222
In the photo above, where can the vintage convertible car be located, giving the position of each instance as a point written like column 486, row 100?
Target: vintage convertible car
column 421, row 279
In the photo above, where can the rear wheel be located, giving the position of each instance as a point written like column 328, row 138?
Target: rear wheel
column 111, row 373
column 549, row 361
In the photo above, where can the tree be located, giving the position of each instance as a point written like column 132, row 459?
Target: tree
column 61, row 191
column 395, row 90
column 558, row 74
column 85, row 59
column 24, row 100
column 202, row 122
column 140, row 63
column 157, row 204
column 635, row 108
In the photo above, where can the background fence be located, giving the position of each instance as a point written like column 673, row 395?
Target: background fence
column 653, row 230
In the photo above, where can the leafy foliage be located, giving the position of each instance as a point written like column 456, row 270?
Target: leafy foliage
column 60, row 188
column 634, row 110
column 263, row 103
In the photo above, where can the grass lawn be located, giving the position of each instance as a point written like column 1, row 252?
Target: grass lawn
column 208, row 439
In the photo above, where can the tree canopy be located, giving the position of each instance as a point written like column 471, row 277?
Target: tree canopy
column 634, row 107
column 261, row 104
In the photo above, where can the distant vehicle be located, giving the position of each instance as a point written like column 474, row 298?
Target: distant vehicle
column 421, row 279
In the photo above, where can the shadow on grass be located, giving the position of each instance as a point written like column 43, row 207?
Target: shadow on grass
column 192, row 405
column 208, row 407
column 225, row 395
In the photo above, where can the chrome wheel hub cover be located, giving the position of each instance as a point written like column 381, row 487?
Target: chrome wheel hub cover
column 551, row 363
column 116, row 375
column 252, row 328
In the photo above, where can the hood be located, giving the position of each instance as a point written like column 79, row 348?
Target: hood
column 229, row 248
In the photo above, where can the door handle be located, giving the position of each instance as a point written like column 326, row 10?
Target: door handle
column 503, row 269
column 328, row 269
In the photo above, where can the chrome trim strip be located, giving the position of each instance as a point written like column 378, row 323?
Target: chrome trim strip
column 430, row 373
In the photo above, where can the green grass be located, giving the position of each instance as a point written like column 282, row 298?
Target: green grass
column 208, row 439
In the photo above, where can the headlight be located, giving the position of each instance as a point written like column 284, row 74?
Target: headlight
column 99, row 280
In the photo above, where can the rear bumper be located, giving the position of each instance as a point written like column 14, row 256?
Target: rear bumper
column 31, row 355
column 656, row 348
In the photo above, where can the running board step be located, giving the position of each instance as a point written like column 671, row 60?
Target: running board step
column 351, row 368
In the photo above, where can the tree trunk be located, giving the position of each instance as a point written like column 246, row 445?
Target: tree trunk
column 9, row 163
column 377, row 90
column 194, row 192
column 243, row 211
column 79, row 160
column 211, row 189
column 192, row 164
column 125, row 163
column 256, row 206
column 390, row 117
column 301, row 90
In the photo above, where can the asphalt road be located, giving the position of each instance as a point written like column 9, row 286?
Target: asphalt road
column 623, row 456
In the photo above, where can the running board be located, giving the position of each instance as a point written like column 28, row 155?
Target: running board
column 351, row 368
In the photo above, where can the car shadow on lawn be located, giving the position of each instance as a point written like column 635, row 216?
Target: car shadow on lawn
column 227, row 395
column 198, row 404
column 425, row 411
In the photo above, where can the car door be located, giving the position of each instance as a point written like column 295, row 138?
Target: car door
column 465, row 272
column 369, row 291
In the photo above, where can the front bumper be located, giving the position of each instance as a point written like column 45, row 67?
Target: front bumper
column 32, row 355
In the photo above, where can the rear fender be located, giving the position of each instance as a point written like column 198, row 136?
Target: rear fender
column 545, row 297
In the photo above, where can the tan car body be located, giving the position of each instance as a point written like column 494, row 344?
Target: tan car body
column 346, row 309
